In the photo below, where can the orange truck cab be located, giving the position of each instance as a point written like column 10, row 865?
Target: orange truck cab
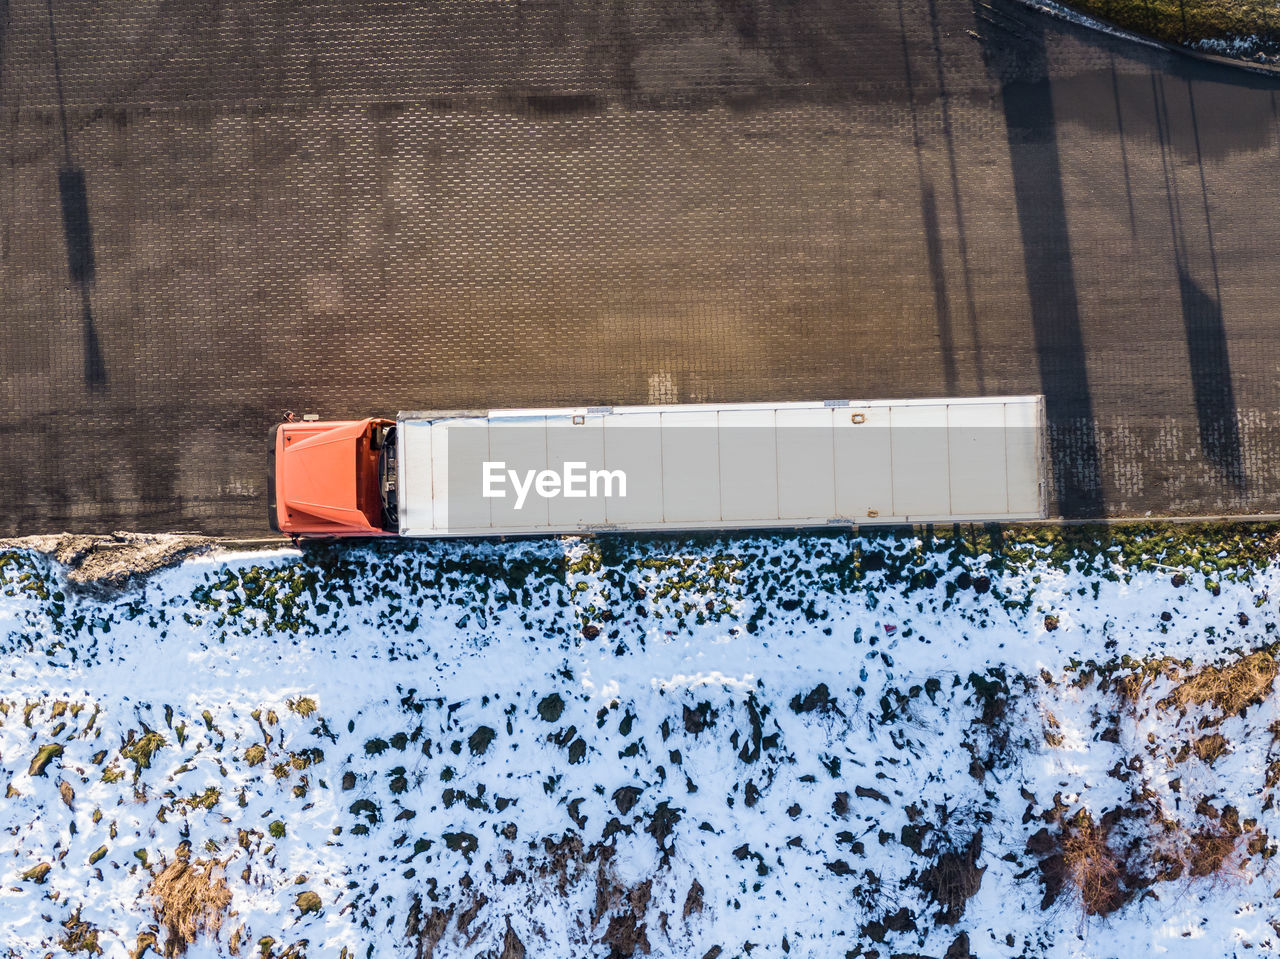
column 334, row 478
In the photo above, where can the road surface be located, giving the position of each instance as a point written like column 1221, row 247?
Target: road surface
column 211, row 212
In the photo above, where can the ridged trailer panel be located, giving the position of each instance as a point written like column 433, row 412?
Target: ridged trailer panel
column 721, row 466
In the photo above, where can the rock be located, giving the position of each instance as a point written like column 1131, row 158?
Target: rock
column 44, row 756
column 462, row 842
column 308, row 902
column 38, row 873
column 551, row 708
column 625, row 798
column 662, row 824
column 1041, row 843
column 479, row 741
column 913, row 837
column 900, row 921
column 696, row 720
column 818, row 698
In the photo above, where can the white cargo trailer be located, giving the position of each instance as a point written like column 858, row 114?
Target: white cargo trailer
column 714, row 466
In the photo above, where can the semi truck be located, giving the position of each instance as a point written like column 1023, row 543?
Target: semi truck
column 652, row 468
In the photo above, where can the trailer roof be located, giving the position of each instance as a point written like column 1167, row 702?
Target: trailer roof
column 729, row 465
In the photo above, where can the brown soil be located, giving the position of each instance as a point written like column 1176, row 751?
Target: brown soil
column 626, row 934
column 106, row 565
column 954, row 878
column 426, row 932
column 693, row 901
column 512, row 947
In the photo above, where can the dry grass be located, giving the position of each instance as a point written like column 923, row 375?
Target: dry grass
column 1209, row 748
column 190, row 899
column 1131, row 686
column 1093, row 868
column 1186, row 21
column 1052, row 735
column 304, row 706
column 81, row 936
column 1108, row 863
column 1212, row 853
column 1231, row 689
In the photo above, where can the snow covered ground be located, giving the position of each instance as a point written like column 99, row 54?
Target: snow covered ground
column 804, row 745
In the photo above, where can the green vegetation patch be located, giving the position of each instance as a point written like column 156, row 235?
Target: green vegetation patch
column 140, row 749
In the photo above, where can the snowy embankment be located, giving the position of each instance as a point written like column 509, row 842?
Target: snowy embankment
column 811, row 746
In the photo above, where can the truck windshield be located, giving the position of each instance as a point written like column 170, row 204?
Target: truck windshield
column 387, row 480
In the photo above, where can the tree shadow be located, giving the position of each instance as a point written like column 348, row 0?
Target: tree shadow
column 957, row 206
column 1207, row 354
column 81, row 266
column 937, row 273
column 932, row 229
column 1015, row 52
column 1207, row 346
column 75, row 224
column 78, row 234
column 1211, row 379
column 1124, row 149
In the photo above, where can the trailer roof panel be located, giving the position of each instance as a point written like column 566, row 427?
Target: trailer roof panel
column 695, row 466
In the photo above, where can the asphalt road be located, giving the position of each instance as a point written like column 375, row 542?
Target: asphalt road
column 211, row 212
